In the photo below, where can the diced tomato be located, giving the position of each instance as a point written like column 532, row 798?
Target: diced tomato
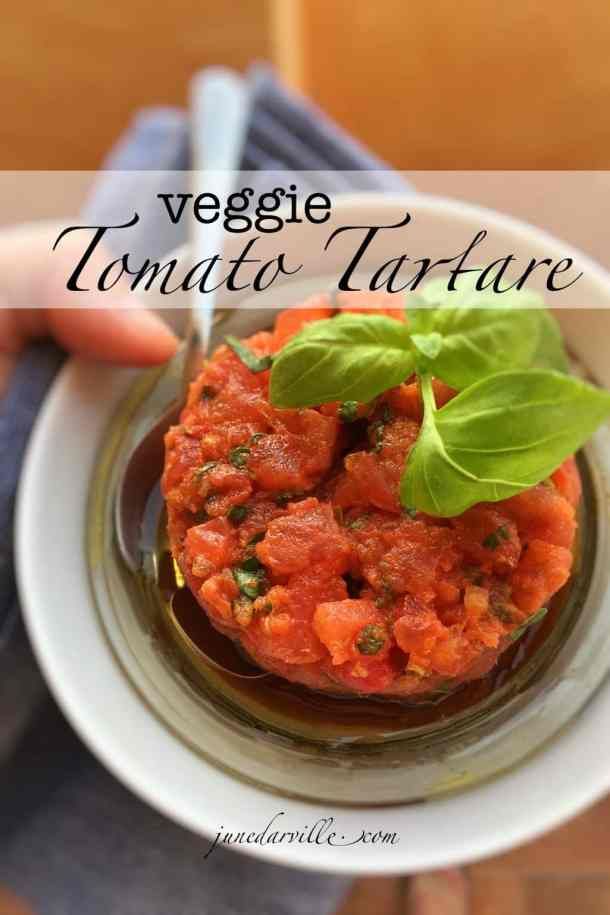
column 340, row 626
column 374, row 476
column 285, row 632
column 307, row 534
column 212, row 545
column 543, row 570
column 406, row 398
column 289, row 322
column 368, row 675
column 488, row 537
column 382, row 303
column 217, row 595
column 421, row 635
column 567, row 480
column 407, row 557
column 294, row 457
column 541, row 513
column 223, row 486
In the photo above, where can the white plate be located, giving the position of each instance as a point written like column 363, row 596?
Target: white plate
column 117, row 724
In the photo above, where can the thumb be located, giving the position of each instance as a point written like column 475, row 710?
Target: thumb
column 125, row 336
column 111, row 326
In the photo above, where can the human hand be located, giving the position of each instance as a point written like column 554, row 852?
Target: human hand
column 34, row 303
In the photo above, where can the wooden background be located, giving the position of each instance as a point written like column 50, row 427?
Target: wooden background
column 475, row 84
column 470, row 84
column 73, row 72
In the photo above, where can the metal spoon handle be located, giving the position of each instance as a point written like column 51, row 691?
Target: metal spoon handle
column 220, row 109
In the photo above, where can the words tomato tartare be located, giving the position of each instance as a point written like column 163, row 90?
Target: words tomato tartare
column 288, row 529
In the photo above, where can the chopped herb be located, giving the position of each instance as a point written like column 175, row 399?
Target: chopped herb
column 237, row 513
column 257, row 437
column 385, row 598
column 530, row 622
column 443, row 689
column 207, row 392
column 502, row 612
column 238, row 456
column 371, row 640
column 378, row 427
column 377, row 432
column 493, row 540
column 446, row 687
column 205, row 468
column 474, row 574
column 282, row 498
column 201, row 516
column 256, row 538
column 250, row 360
column 348, row 411
column 248, row 582
column 251, row 564
column 411, row 512
column 356, row 523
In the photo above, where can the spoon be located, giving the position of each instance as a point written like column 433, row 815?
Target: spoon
column 220, row 111
column 191, row 629
column 220, row 115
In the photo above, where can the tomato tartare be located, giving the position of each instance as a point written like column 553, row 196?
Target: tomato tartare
column 288, row 528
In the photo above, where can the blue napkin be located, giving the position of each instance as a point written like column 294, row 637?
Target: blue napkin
column 73, row 840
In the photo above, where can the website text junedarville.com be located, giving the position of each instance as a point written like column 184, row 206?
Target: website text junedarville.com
column 324, row 832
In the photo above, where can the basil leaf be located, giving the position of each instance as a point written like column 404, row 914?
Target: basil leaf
column 497, row 438
column 517, row 633
column 550, row 353
column 431, row 482
column 348, row 357
column 429, row 345
column 486, row 332
column 477, row 342
column 435, row 294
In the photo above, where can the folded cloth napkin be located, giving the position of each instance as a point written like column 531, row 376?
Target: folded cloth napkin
column 73, row 841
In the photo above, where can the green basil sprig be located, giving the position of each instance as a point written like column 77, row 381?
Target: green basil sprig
column 253, row 362
column 518, row 414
